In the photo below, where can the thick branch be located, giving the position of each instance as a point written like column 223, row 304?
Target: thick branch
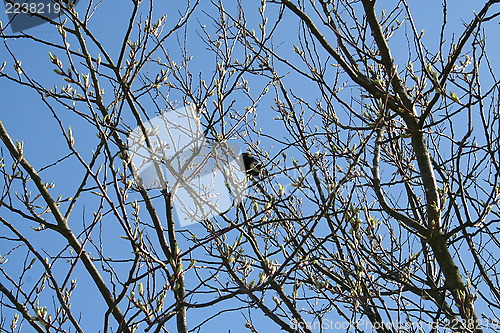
column 62, row 227
column 412, row 225
column 436, row 237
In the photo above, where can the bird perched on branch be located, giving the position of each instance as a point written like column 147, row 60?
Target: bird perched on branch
column 253, row 167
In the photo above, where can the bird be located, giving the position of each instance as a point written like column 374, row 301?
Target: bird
column 253, row 167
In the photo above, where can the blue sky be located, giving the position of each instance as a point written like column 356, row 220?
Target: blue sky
column 27, row 118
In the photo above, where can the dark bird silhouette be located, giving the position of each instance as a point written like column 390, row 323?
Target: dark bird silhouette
column 253, row 167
